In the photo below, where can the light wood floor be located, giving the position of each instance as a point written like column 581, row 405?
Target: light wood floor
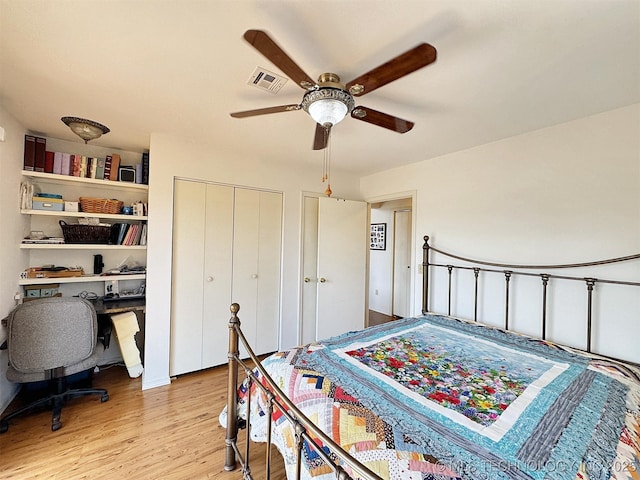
column 169, row 432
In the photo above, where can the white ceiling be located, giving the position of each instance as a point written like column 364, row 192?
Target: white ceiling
column 504, row 67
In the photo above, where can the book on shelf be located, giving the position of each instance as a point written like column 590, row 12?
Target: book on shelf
column 143, row 235
column 135, row 238
column 83, row 167
column 136, row 241
column 75, row 165
column 128, row 234
column 145, row 168
column 118, row 232
column 48, row 161
column 29, row 153
column 57, row 163
column 107, row 168
column 92, row 165
column 100, row 168
column 44, row 241
column 41, row 148
column 115, row 164
column 65, row 168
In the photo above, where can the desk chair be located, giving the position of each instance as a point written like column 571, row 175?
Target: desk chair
column 48, row 340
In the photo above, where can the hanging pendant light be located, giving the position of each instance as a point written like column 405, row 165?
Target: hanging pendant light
column 85, row 129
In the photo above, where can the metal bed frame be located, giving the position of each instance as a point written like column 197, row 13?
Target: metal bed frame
column 511, row 270
column 304, row 429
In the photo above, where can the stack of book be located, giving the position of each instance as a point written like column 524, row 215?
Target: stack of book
column 44, row 240
column 129, row 234
column 34, row 153
column 38, row 159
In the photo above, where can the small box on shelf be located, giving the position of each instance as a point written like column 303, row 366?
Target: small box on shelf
column 41, row 291
column 48, row 203
column 54, row 272
column 71, row 206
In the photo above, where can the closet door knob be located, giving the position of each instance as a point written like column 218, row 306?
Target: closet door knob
column 254, row 276
column 209, row 278
column 322, row 279
column 307, row 279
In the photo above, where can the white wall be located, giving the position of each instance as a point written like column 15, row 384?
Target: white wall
column 569, row 193
column 381, row 266
column 12, row 231
column 171, row 157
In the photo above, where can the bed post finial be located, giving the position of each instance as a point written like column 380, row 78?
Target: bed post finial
column 232, row 385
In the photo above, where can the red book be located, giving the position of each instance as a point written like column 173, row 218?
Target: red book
column 48, row 161
column 41, row 148
column 29, row 153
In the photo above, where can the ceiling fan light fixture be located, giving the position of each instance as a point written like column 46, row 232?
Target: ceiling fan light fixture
column 85, row 129
column 327, row 111
column 328, row 105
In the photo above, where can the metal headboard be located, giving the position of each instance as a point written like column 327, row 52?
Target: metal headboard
column 510, row 270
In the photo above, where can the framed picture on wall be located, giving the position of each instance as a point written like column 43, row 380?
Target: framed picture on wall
column 378, row 236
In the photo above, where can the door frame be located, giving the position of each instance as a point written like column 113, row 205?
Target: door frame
column 412, row 194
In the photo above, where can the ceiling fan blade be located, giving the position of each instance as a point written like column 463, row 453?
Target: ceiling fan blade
column 321, row 137
column 262, row 42
column 264, row 111
column 397, row 67
column 382, row 119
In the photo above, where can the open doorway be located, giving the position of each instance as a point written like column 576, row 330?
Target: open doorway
column 390, row 272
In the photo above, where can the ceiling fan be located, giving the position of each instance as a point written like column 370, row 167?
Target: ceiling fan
column 328, row 101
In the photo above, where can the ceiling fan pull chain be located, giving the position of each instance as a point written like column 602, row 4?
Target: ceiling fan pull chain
column 325, row 134
column 327, row 160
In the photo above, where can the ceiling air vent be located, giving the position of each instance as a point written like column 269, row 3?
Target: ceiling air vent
column 266, row 80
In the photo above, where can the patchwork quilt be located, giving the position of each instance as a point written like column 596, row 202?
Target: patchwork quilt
column 439, row 398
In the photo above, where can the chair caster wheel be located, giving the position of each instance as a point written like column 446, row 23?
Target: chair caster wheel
column 4, row 427
column 104, row 397
column 56, row 426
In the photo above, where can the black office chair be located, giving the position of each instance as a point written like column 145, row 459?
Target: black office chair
column 48, row 340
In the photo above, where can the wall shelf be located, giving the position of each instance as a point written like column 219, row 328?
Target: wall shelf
column 105, row 216
column 82, row 279
column 69, row 179
column 79, row 246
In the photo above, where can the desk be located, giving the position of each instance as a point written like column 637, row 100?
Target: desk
column 129, row 349
column 119, row 306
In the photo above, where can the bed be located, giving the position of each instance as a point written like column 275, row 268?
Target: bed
column 440, row 397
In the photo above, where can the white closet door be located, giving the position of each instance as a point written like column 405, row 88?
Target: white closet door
column 187, row 272
column 342, row 247
column 309, row 270
column 245, row 262
column 226, row 248
column 269, row 261
column 217, row 273
column 256, row 265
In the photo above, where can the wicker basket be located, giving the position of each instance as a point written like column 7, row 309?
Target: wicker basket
column 93, row 234
column 100, row 205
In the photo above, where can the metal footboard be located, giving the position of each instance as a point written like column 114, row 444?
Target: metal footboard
column 304, row 429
